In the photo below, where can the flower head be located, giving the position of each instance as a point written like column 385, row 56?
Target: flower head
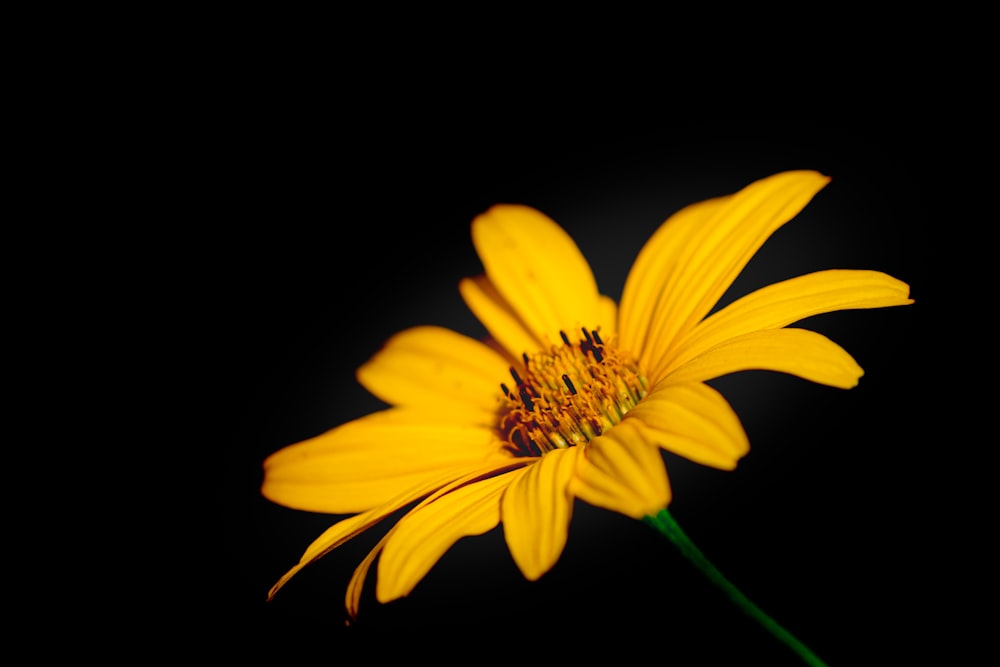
column 573, row 396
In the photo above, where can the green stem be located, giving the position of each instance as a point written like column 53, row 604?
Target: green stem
column 668, row 527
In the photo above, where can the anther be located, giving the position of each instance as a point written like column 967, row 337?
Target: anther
column 568, row 395
column 526, row 399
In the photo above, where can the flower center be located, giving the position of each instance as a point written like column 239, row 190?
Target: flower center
column 568, row 395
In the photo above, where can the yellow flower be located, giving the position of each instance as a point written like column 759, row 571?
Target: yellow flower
column 573, row 396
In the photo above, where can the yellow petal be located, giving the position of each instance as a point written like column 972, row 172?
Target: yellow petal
column 364, row 462
column 783, row 303
column 800, row 352
column 655, row 272
column 694, row 421
column 350, row 527
column 434, row 367
column 421, row 537
column 537, row 508
column 704, row 253
column 498, row 317
column 329, row 540
column 622, row 472
column 356, row 584
column 538, row 269
column 607, row 317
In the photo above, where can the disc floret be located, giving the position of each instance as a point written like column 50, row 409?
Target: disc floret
column 568, row 395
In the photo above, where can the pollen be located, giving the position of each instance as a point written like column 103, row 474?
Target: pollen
column 568, row 395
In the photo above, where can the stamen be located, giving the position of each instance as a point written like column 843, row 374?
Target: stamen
column 568, row 395
column 526, row 399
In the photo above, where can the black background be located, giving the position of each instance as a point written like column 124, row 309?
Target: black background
column 330, row 232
